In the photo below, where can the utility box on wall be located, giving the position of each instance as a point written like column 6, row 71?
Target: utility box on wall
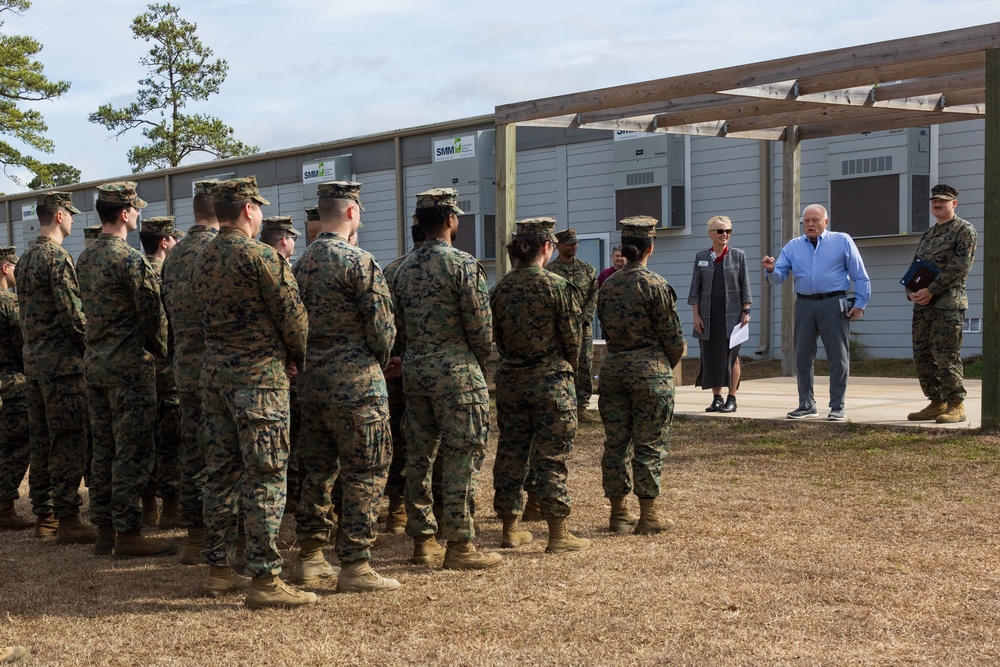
column 880, row 182
column 467, row 162
column 650, row 178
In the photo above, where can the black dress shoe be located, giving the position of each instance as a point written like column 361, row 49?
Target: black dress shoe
column 730, row 405
column 716, row 404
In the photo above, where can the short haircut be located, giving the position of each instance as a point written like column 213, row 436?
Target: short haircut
column 151, row 241
column 109, row 212
column 417, row 234
column 433, row 217
column 717, row 219
column 271, row 237
column 204, row 207
column 826, row 214
column 229, row 211
column 46, row 214
column 334, row 209
column 617, row 248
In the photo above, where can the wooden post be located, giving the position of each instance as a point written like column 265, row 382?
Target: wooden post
column 791, row 168
column 990, row 244
column 506, row 156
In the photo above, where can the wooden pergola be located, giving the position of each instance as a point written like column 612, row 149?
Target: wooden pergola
column 943, row 77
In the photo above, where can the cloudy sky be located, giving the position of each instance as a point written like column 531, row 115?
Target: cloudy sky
column 303, row 72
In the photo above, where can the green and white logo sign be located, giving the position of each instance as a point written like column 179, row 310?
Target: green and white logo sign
column 455, row 148
column 317, row 172
column 28, row 212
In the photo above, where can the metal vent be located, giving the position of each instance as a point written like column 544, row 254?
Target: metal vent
column 868, row 165
column 639, row 178
column 465, row 204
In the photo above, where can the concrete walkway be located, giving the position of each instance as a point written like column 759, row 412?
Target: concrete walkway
column 884, row 401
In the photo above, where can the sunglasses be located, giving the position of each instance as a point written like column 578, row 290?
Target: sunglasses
column 723, row 231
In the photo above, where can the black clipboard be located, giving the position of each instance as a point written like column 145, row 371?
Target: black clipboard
column 920, row 274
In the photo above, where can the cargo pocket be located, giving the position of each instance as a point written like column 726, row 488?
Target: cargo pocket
column 70, row 412
column 372, row 424
column 266, row 434
column 661, row 389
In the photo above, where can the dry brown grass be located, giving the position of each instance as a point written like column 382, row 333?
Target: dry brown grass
column 805, row 544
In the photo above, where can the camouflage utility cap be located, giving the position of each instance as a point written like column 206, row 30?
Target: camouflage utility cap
column 56, row 200
column 162, row 225
column 312, row 214
column 278, row 223
column 537, row 227
column 8, row 254
column 238, row 189
column 567, row 236
column 639, row 227
column 120, row 192
column 205, row 187
column 92, row 232
column 945, row 192
column 340, row 190
column 439, row 198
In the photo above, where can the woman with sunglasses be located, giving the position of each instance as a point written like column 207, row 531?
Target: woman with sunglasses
column 720, row 298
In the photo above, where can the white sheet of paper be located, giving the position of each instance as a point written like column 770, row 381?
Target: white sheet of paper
column 739, row 336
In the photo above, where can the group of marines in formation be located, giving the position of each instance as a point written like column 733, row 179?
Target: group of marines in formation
column 321, row 386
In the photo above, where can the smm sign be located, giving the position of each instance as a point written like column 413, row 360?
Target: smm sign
column 455, row 148
column 316, row 172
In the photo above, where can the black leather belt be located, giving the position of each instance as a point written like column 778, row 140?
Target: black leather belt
column 825, row 295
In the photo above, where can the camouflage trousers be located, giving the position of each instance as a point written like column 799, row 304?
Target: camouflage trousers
column 245, row 434
column 455, row 430
column 584, row 369
column 165, row 479
column 124, row 423
column 637, row 412
column 15, row 447
column 352, row 443
column 937, row 347
column 294, row 491
column 537, row 417
column 395, row 486
column 57, row 422
column 191, row 489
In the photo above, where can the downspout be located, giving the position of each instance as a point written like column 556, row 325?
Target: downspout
column 766, row 311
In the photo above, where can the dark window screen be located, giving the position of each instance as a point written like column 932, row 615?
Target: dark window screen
column 920, row 208
column 489, row 237
column 865, row 206
column 638, row 201
column 466, row 234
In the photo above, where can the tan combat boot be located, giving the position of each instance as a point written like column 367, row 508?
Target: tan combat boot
column 45, row 526
column 129, row 545
column 12, row 654
column 953, row 415
column 585, row 416
column 650, row 522
column 621, row 520
column 561, row 540
column 271, row 591
column 359, row 577
column 71, row 531
column 532, row 509
column 514, row 535
column 170, row 518
column 465, row 556
column 426, row 550
column 191, row 551
column 221, row 580
column 9, row 519
column 313, row 566
column 929, row 413
column 105, row 543
column 395, row 523
column 150, row 513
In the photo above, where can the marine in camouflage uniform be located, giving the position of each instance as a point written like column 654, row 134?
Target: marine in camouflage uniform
column 342, row 392
column 939, row 309
column 184, row 310
column 53, row 326
column 126, row 329
column 536, row 324
column 15, row 447
column 255, row 335
column 444, row 325
column 159, row 236
column 584, row 277
column 638, row 314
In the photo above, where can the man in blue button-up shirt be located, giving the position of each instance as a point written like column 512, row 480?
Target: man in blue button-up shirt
column 824, row 265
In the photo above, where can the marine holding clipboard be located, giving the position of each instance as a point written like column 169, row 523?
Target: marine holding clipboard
column 942, row 262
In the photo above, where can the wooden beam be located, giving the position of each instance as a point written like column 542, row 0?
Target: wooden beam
column 791, row 202
column 566, row 120
column 991, row 250
column 506, row 205
column 963, row 97
column 931, row 85
column 940, row 45
column 664, row 106
column 890, row 70
column 888, row 120
column 731, row 110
